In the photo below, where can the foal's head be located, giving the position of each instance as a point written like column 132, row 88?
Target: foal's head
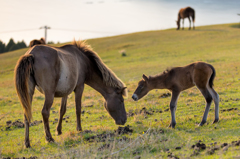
column 142, row 89
column 115, row 106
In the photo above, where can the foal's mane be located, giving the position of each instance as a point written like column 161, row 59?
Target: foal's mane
column 109, row 77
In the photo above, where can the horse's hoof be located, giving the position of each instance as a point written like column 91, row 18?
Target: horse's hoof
column 201, row 124
column 171, row 126
column 215, row 121
column 58, row 132
column 27, row 145
column 50, row 140
column 79, row 129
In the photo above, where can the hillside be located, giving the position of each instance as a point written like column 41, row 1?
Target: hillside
column 150, row 53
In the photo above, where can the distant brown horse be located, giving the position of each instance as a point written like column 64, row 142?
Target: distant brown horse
column 177, row 79
column 37, row 42
column 56, row 72
column 186, row 13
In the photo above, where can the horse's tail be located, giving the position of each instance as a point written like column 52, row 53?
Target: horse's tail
column 212, row 76
column 23, row 71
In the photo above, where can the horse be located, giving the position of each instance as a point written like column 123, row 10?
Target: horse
column 37, row 42
column 178, row 79
column 58, row 71
column 186, row 13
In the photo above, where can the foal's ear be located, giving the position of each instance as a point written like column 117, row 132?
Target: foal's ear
column 145, row 77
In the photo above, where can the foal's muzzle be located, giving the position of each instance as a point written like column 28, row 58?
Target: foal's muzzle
column 135, row 97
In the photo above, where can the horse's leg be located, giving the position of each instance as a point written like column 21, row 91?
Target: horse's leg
column 31, row 88
column 173, row 107
column 208, row 98
column 216, row 102
column 78, row 100
column 183, row 24
column 62, row 111
column 46, row 113
column 193, row 23
column 189, row 23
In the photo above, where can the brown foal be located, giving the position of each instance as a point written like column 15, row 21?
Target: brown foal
column 177, row 79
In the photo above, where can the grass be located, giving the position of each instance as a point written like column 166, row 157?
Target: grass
column 149, row 53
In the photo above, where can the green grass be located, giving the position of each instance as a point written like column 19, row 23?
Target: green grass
column 149, row 53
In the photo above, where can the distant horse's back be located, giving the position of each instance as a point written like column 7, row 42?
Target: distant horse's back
column 190, row 12
column 37, row 42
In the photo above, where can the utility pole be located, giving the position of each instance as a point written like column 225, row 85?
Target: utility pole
column 46, row 28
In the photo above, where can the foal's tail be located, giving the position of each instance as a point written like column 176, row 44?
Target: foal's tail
column 212, row 76
column 23, row 71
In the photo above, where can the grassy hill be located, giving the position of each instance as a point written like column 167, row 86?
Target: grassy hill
column 149, row 53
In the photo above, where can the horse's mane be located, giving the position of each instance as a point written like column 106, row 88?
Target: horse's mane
column 109, row 77
column 167, row 70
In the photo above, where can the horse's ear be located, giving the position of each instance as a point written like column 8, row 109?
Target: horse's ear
column 121, row 90
column 145, row 77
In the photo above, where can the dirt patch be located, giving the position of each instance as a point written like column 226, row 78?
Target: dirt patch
column 35, row 122
column 212, row 149
column 88, row 105
column 199, row 145
column 20, row 124
column 165, row 95
column 32, row 157
column 228, row 110
column 100, row 137
column 16, row 123
column 236, row 143
column 105, row 146
column 107, row 137
column 144, row 111
column 123, row 130
column 170, row 155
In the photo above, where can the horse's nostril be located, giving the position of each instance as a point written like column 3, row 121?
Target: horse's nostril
column 134, row 97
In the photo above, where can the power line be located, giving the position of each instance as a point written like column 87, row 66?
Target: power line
column 61, row 29
column 73, row 30
column 11, row 31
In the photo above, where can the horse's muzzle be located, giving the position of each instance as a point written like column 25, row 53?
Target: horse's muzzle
column 135, row 97
column 121, row 122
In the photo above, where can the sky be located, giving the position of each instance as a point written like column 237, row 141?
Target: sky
column 84, row 19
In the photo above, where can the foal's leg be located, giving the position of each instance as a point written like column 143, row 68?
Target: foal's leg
column 78, row 100
column 208, row 99
column 173, row 107
column 216, row 102
column 61, row 114
column 31, row 92
column 46, row 113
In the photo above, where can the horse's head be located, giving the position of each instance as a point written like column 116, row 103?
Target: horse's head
column 178, row 24
column 142, row 89
column 115, row 106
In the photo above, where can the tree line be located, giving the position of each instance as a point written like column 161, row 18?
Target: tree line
column 11, row 46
